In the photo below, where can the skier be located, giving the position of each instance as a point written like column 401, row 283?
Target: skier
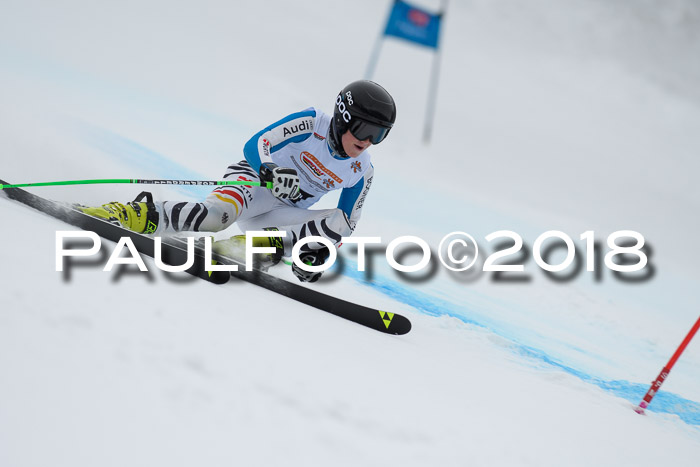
column 305, row 155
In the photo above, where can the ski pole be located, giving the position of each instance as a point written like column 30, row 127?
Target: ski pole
column 140, row 181
column 656, row 384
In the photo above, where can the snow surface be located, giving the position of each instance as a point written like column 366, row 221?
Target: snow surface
column 573, row 116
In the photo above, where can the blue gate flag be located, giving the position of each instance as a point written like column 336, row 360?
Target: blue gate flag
column 413, row 24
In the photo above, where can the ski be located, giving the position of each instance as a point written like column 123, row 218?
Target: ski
column 109, row 231
column 174, row 252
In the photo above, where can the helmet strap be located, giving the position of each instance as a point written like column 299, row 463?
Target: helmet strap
column 335, row 142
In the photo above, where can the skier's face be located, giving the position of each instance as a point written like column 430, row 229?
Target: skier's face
column 353, row 146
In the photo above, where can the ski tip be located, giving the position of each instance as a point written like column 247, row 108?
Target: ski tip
column 404, row 326
column 395, row 324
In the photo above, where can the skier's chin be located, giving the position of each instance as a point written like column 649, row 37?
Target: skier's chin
column 356, row 150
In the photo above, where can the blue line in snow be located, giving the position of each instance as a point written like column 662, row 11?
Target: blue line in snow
column 139, row 157
column 665, row 402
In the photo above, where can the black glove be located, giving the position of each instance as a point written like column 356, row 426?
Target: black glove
column 285, row 181
column 312, row 258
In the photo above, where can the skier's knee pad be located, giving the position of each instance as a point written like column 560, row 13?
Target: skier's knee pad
column 331, row 224
column 219, row 216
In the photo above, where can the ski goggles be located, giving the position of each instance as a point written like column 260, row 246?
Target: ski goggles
column 363, row 130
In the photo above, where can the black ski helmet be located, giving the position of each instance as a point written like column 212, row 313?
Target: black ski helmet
column 366, row 109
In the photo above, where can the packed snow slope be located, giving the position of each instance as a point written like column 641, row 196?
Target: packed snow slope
column 573, row 116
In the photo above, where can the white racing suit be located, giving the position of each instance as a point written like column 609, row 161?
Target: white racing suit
column 298, row 141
